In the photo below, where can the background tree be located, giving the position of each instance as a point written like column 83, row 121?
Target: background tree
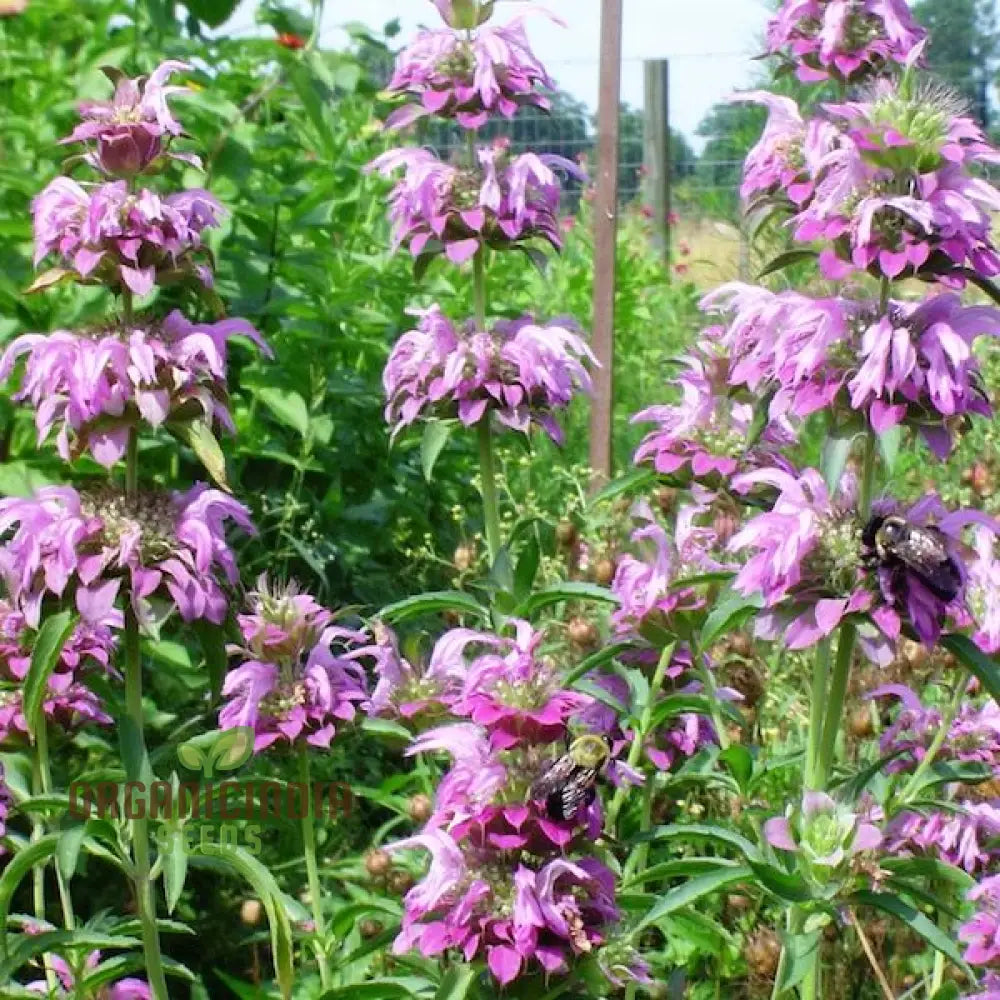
column 964, row 47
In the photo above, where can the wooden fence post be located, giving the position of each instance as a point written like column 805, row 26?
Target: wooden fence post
column 656, row 150
column 605, row 238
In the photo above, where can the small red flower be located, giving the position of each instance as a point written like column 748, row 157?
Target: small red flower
column 289, row 40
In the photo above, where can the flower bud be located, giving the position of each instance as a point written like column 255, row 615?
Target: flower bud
column 250, row 912
column 369, row 928
column 583, row 634
column 400, row 882
column 566, row 533
column 860, row 724
column 762, row 952
column 464, row 15
column 604, row 572
column 378, row 862
column 464, row 557
column 420, row 808
column 666, row 499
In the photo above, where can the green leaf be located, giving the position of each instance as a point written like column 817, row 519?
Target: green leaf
column 676, row 704
column 984, row 667
column 929, row 870
column 678, row 868
column 913, row 919
column 175, row 866
column 198, row 436
column 729, row 614
column 212, row 639
column 702, row 831
column 950, row 991
column 526, row 569
column 785, row 885
column 692, row 891
column 633, row 482
column 836, row 451
column 386, row 727
column 456, row 982
column 266, row 888
column 133, row 751
column 787, row 259
column 212, row 12
column 17, row 867
column 595, row 661
column 48, row 647
column 761, row 418
column 800, row 953
column 888, row 444
column 739, row 761
column 564, row 592
column 376, row 990
column 287, row 406
column 436, row 434
column 433, row 603
column 68, row 850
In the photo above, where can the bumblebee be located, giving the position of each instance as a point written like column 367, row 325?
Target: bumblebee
column 568, row 784
column 900, row 546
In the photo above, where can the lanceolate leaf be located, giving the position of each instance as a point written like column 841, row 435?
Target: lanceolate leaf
column 692, row 891
column 433, row 603
column 984, row 667
column 17, row 867
column 787, row 260
column 436, row 434
column 913, row 919
column 48, row 647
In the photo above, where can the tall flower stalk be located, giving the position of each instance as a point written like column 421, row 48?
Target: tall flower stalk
column 108, row 552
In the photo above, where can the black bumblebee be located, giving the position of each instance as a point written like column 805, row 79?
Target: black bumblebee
column 901, row 547
column 567, row 784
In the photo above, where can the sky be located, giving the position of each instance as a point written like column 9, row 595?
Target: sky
column 710, row 43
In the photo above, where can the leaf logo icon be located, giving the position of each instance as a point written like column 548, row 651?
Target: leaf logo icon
column 232, row 748
column 222, row 751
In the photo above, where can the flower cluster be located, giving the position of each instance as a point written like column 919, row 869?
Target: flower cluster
column 901, row 194
column 823, row 833
column 649, row 586
column 96, row 385
column 168, row 546
column 469, row 78
column 438, row 207
column 787, row 157
column 68, row 701
column 706, row 435
column 981, row 935
column 127, row 240
column 298, row 676
column 844, row 40
column 500, row 883
column 68, row 985
column 519, row 370
column 907, row 363
column 135, row 127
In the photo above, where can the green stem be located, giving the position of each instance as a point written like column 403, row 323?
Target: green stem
column 951, row 711
column 835, row 703
column 45, row 781
column 639, row 738
column 38, row 877
column 139, row 827
column 479, row 288
column 491, row 504
column 711, row 690
column 821, row 678
column 312, row 870
column 937, row 976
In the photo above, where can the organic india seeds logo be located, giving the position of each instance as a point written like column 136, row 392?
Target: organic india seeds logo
column 214, row 800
